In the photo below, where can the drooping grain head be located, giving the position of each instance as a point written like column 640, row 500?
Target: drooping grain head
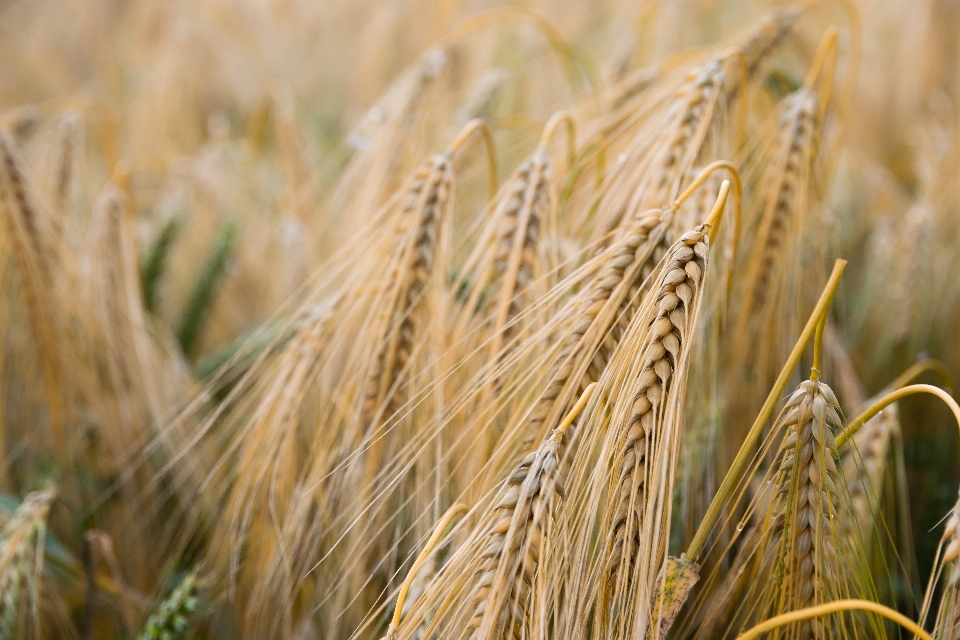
column 788, row 189
column 757, row 43
column 515, row 261
column 22, row 547
column 424, row 209
column 656, row 391
column 513, row 540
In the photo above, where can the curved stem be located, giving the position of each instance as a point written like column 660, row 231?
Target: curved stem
column 716, row 215
column 889, row 399
column 562, row 117
column 732, row 477
column 737, row 192
column 834, row 607
column 571, row 63
column 921, row 367
column 474, row 126
column 577, row 408
column 428, row 548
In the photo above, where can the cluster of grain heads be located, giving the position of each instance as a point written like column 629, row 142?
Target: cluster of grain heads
column 600, row 311
column 692, row 122
column 564, row 357
column 360, row 358
column 171, row 619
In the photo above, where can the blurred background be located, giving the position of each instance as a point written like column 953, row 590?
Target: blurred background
column 191, row 164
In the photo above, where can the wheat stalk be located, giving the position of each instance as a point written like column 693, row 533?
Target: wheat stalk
column 32, row 255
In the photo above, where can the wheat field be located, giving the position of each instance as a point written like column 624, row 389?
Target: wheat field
column 439, row 320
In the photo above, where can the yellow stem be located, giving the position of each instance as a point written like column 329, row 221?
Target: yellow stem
column 827, row 49
column 737, row 193
column 474, row 126
column 854, row 51
column 713, row 220
column 743, row 455
column 834, row 607
column 919, row 368
column 889, row 399
column 562, row 117
column 577, row 408
column 451, row 513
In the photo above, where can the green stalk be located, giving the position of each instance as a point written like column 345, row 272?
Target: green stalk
column 155, row 260
column 889, row 399
column 201, row 301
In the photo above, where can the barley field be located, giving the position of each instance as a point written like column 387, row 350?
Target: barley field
column 441, row 320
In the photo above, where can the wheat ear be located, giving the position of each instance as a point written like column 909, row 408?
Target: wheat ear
column 514, row 537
